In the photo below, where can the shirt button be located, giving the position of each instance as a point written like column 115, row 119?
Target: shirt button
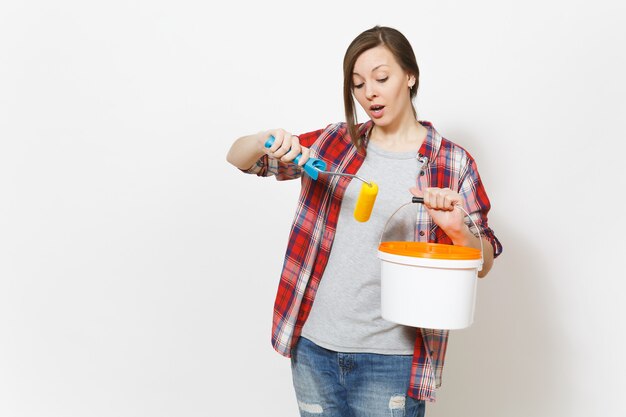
column 422, row 173
column 421, row 233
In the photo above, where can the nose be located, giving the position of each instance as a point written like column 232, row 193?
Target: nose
column 370, row 91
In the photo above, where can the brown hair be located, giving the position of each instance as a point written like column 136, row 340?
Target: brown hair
column 402, row 51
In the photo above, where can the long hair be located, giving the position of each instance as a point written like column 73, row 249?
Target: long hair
column 402, row 51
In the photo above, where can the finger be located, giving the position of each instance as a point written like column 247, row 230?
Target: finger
column 279, row 135
column 306, row 153
column 440, row 199
column 294, row 150
column 445, row 202
column 285, row 146
column 446, row 199
column 428, row 197
column 451, row 199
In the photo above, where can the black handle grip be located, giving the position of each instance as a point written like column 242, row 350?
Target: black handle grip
column 418, row 200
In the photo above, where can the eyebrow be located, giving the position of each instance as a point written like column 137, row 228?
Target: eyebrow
column 374, row 69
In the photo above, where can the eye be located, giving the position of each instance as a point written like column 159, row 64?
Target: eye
column 382, row 80
column 357, row 86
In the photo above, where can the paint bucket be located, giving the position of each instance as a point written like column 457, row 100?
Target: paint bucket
column 428, row 285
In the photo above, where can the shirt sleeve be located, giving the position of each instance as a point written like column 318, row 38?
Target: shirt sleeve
column 266, row 166
column 477, row 205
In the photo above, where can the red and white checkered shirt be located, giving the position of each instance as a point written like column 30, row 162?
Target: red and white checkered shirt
column 444, row 164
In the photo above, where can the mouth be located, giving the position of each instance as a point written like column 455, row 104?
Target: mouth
column 377, row 110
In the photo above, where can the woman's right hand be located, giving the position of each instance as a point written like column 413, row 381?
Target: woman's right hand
column 285, row 147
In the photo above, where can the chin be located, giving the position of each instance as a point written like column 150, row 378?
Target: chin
column 380, row 122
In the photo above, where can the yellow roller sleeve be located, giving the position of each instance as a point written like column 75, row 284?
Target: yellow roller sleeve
column 366, row 200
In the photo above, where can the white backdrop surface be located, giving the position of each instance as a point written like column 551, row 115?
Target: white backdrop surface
column 138, row 269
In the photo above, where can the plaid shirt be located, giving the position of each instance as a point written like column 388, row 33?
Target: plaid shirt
column 443, row 164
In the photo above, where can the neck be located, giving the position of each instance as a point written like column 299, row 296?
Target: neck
column 405, row 133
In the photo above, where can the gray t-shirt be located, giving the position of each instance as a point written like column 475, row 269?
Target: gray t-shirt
column 346, row 316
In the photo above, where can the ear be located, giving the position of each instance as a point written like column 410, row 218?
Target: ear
column 411, row 82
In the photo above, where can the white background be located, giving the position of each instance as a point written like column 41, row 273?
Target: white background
column 138, row 269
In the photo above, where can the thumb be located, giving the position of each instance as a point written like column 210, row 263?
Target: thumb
column 416, row 192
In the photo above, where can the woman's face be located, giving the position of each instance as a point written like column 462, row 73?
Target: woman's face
column 381, row 86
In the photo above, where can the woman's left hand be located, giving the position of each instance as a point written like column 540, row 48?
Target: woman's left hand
column 440, row 204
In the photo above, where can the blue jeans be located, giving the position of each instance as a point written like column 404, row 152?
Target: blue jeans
column 333, row 384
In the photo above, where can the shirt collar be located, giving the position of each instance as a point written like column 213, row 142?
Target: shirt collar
column 432, row 143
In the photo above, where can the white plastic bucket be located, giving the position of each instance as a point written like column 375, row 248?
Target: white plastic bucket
column 428, row 285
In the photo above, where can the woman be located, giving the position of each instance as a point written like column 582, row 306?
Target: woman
column 346, row 359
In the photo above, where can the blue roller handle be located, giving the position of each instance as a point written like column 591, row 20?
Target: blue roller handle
column 312, row 166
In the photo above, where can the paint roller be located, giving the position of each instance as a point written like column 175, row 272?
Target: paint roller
column 369, row 189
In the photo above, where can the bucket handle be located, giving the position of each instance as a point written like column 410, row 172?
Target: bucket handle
column 420, row 200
